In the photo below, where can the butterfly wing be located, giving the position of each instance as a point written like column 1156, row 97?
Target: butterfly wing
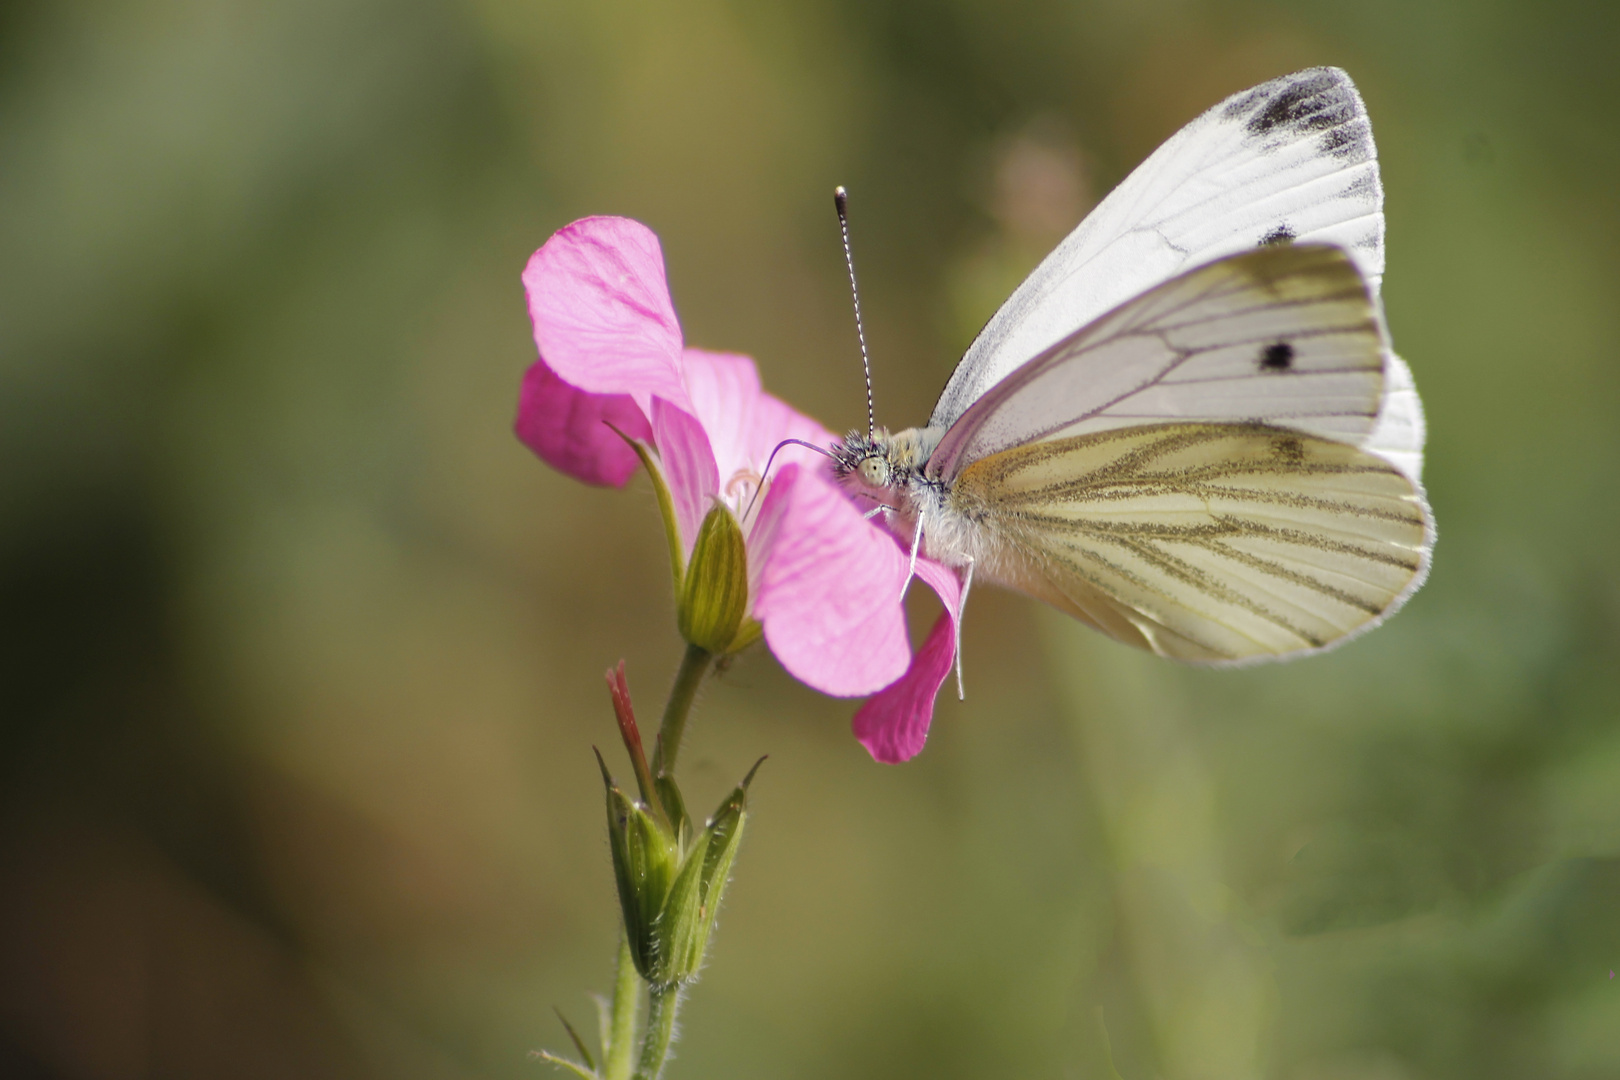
column 1281, row 335
column 1399, row 434
column 1203, row 542
column 1290, row 160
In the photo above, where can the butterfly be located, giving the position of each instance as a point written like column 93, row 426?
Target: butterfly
column 1187, row 427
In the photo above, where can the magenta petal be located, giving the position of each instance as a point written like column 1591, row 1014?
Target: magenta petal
column 723, row 389
column 603, row 320
column 774, row 420
column 893, row 725
column 688, row 467
column 828, row 587
column 744, row 423
column 569, row 430
column 944, row 581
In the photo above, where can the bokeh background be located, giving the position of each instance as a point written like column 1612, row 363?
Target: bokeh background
column 300, row 651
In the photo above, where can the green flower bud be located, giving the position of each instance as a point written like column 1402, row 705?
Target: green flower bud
column 670, row 891
column 711, row 590
column 714, row 594
column 646, row 861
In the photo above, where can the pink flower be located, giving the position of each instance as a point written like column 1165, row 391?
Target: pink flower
column 823, row 582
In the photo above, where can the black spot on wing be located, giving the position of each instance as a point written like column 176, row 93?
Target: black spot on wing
column 1278, row 357
column 1282, row 234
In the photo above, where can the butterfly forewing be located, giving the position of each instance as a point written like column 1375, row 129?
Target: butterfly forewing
column 1286, row 335
column 1203, row 542
column 1291, row 160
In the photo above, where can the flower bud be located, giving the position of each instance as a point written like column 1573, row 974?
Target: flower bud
column 712, row 589
column 670, row 891
column 714, row 594
column 645, row 862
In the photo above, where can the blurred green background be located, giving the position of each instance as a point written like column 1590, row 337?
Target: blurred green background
column 301, row 649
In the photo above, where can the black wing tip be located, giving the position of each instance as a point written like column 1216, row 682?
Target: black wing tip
column 1319, row 102
column 1324, row 81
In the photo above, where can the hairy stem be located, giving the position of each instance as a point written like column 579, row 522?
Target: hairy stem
column 662, row 1004
column 694, row 665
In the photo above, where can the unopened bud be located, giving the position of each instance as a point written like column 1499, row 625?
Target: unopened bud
column 711, row 590
column 669, row 890
column 645, row 862
column 714, row 594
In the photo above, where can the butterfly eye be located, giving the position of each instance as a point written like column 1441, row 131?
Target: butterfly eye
column 875, row 471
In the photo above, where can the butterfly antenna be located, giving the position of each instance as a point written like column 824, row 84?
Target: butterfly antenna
column 822, row 450
column 841, row 200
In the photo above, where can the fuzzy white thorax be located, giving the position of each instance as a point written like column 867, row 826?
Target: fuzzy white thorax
column 891, row 472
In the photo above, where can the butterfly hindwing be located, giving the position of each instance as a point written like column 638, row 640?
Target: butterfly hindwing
column 1291, row 160
column 1203, row 542
column 1282, row 335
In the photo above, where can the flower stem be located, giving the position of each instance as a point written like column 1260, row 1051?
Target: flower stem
column 663, row 1004
column 622, row 1024
column 694, row 665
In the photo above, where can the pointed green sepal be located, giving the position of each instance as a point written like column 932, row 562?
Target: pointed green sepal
column 675, row 809
column 680, row 936
column 644, row 866
column 579, row 1043
column 666, row 506
column 725, row 830
column 714, row 595
column 689, row 912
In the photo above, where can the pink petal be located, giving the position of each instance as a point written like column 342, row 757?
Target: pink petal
column 943, row 580
column 723, row 389
column 568, row 428
column 602, row 316
column 744, row 423
column 828, row 587
column 688, row 467
column 893, row 725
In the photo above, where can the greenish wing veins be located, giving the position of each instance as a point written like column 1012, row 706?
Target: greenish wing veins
column 1208, row 542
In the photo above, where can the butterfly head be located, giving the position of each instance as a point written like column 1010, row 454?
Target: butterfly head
column 878, row 462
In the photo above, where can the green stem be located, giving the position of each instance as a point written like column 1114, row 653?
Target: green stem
column 662, row 1007
column 622, row 1030
column 663, row 1003
column 694, row 665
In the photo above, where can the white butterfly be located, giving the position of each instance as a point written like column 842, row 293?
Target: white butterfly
column 1186, row 428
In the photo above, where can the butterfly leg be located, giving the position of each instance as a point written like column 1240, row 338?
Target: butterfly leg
column 916, row 545
column 961, row 607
